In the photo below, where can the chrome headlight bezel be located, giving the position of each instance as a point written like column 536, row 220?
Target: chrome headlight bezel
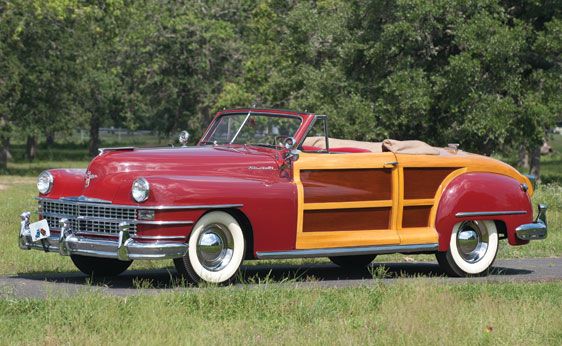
column 140, row 190
column 45, row 182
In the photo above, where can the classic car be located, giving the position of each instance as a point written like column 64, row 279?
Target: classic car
column 271, row 184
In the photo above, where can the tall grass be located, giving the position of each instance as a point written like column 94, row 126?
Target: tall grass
column 414, row 313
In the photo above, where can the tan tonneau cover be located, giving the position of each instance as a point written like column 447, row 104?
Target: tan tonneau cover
column 399, row 147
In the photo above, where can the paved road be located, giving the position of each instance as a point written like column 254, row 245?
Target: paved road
column 324, row 275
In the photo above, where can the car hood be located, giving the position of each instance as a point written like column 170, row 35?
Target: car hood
column 112, row 173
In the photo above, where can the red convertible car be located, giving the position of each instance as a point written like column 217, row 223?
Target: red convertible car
column 269, row 184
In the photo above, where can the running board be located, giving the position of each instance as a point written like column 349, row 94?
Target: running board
column 348, row 251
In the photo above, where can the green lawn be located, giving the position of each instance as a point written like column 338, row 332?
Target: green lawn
column 407, row 313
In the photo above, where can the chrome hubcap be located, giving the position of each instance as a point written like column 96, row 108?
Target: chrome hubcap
column 472, row 241
column 215, row 247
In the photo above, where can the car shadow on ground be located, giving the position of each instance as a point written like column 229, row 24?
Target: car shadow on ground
column 261, row 274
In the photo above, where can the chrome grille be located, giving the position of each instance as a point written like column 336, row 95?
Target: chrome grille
column 87, row 217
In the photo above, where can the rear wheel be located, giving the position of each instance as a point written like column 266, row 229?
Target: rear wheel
column 216, row 250
column 472, row 249
column 99, row 267
column 349, row 262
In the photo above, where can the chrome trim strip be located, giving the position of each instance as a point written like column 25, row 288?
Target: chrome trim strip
column 158, row 237
column 162, row 223
column 148, row 207
column 103, row 150
column 190, row 207
column 490, row 213
column 97, row 234
column 347, row 251
column 132, row 222
column 85, row 199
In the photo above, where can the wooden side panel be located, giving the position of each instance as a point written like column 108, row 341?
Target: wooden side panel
column 346, row 185
column 332, row 220
column 416, row 216
column 420, row 183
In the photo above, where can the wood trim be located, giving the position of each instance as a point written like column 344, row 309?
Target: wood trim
column 439, row 193
column 422, row 183
column 340, row 220
column 319, row 240
column 418, row 235
column 347, row 205
column 414, row 202
column 416, row 216
column 316, row 240
column 346, row 185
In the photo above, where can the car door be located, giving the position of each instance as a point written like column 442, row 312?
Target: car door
column 421, row 180
column 346, row 199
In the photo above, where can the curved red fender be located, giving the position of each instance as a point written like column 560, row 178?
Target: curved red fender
column 482, row 192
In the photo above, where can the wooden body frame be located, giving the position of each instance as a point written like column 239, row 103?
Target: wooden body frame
column 418, row 181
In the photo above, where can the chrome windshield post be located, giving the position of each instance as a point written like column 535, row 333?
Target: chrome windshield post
column 240, row 128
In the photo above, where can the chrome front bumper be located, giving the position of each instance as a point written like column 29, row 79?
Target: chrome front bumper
column 124, row 248
column 536, row 230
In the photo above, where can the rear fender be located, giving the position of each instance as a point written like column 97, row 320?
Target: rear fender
column 482, row 192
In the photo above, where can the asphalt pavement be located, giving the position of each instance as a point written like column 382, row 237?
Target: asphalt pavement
column 133, row 282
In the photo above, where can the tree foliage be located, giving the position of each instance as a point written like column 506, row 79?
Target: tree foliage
column 486, row 74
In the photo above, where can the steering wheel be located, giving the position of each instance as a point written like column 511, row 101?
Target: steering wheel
column 280, row 140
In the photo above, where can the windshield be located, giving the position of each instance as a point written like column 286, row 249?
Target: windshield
column 253, row 129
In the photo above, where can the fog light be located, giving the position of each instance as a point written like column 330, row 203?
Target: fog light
column 143, row 214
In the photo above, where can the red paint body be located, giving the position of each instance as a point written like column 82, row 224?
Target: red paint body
column 475, row 192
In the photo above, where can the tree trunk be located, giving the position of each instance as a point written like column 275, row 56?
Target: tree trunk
column 31, row 148
column 94, row 134
column 535, row 163
column 523, row 158
column 50, row 138
column 4, row 152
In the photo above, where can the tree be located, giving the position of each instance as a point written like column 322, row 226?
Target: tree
column 176, row 59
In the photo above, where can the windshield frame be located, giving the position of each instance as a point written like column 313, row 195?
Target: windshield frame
column 205, row 140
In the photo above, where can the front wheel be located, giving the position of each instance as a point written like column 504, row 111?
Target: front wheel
column 472, row 249
column 215, row 252
column 99, row 267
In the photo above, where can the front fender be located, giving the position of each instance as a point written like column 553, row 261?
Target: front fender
column 482, row 192
column 67, row 182
column 271, row 207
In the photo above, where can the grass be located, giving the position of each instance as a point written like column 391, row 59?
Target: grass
column 411, row 313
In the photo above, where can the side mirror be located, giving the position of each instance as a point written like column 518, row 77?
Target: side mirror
column 183, row 138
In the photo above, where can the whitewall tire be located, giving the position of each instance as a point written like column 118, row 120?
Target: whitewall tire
column 472, row 249
column 216, row 250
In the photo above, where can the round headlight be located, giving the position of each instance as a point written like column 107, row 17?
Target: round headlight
column 45, row 182
column 140, row 190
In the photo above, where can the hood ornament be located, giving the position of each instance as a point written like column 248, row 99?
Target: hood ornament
column 88, row 178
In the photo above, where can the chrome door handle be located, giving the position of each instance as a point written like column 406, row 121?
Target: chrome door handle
column 392, row 163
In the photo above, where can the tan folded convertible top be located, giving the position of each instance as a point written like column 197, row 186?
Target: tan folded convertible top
column 399, row 147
